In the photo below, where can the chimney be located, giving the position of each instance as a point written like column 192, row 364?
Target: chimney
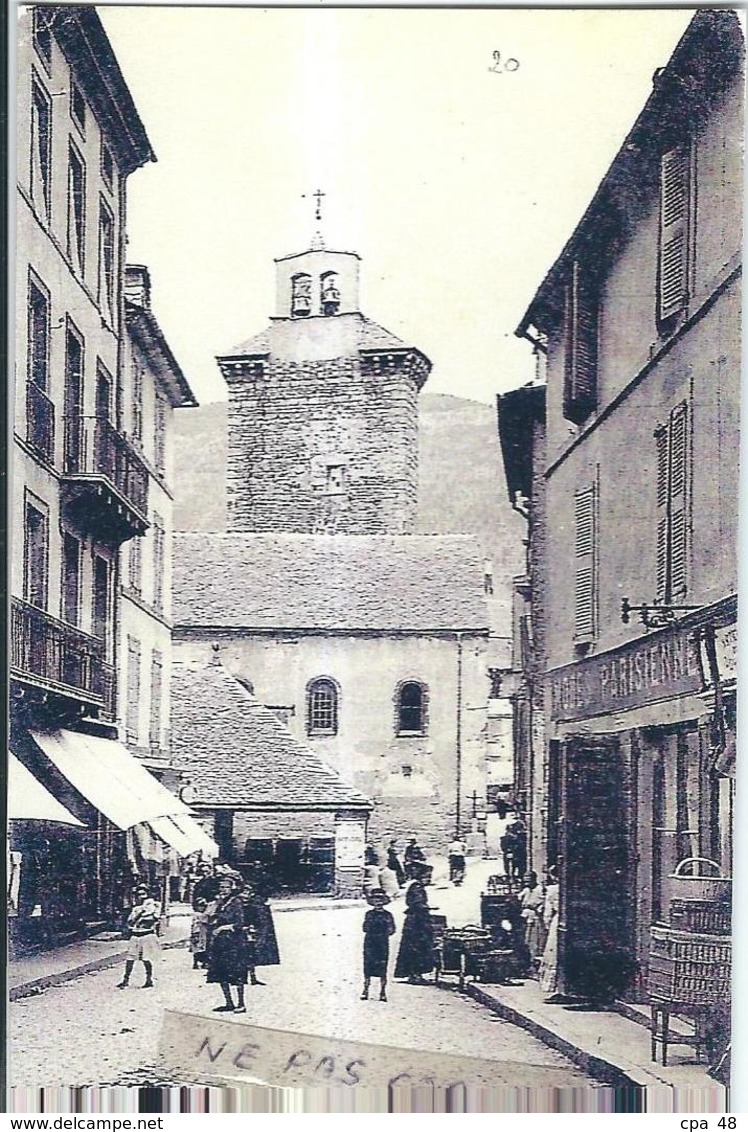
column 138, row 285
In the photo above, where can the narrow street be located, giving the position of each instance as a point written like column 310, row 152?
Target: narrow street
column 89, row 1032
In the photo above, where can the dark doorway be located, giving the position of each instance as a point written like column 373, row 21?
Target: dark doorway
column 596, row 937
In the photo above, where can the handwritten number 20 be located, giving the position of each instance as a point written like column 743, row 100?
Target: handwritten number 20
column 508, row 65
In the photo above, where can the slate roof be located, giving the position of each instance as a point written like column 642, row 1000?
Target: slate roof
column 371, row 336
column 238, row 753
column 329, row 582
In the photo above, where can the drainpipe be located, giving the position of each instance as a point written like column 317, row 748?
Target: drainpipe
column 458, row 735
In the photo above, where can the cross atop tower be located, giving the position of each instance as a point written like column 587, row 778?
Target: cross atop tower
column 319, row 195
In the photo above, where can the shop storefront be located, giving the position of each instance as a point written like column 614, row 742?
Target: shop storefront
column 87, row 821
column 641, row 769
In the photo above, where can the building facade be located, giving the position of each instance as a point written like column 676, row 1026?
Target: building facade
column 521, row 416
column 80, row 487
column 639, row 319
column 373, row 649
column 153, row 385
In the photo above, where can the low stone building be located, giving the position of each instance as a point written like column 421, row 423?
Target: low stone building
column 267, row 798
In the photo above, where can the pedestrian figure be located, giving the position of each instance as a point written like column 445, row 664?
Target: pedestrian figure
column 416, row 954
column 413, row 856
column 531, row 900
column 199, row 934
column 456, row 857
column 206, row 885
column 378, row 927
column 388, row 882
column 549, row 962
column 372, row 878
column 371, row 857
column 142, row 923
column 519, row 829
column 507, row 844
column 228, row 950
column 263, row 945
column 393, row 862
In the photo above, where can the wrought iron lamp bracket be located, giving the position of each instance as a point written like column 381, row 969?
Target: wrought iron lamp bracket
column 655, row 616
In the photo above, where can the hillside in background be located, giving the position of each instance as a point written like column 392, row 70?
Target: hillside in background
column 462, row 488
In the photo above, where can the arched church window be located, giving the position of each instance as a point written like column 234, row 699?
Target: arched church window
column 330, row 293
column 411, row 708
column 301, row 294
column 322, row 707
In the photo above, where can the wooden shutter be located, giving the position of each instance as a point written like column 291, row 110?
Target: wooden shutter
column 580, row 393
column 662, row 442
column 678, row 492
column 584, row 552
column 156, row 684
column 674, row 217
column 133, row 689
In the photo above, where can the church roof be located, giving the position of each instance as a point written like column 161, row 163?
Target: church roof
column 238, row 753
column 416, row 583
column 371, row 336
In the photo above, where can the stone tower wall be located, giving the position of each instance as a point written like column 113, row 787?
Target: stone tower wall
column 294, row 427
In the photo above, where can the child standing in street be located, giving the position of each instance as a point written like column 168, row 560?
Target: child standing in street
column 378, row 927
column 199, row 934
column 143, row 924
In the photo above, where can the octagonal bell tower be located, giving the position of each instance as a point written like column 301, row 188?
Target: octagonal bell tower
column 323, row 410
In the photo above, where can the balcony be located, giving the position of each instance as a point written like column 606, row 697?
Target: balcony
column 104, row 480
column 56, row 657
column 40, row 422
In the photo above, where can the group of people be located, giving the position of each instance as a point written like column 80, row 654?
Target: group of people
column 539, row 912
column 232, row 933
column 392, row 876
column 415, row 956
column 513, row 845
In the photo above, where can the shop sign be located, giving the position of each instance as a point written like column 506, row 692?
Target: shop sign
column 655, row 668
column 349, row 844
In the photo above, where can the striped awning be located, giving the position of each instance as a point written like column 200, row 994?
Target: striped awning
column 28, row 800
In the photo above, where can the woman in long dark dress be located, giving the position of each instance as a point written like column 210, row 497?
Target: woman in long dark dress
column 378, row 927
column 263, row 945
column 416, row 955
column 393, row 862
column 228, row 948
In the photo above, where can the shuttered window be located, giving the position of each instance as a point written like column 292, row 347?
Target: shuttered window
column 674, row 231
column 157, row 664
column 133, row 689
column 76, row 210
column 585, row 579
column 672, row 448
column 580, row 384
column 41, row 149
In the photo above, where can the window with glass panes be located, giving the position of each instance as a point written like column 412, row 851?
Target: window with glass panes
column 322, row 708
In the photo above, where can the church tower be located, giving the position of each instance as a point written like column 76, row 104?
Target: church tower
column 323, row 410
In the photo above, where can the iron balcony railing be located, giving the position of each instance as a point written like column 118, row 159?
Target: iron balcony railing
column 40, row 422
column 59, row 656
column 94, row 447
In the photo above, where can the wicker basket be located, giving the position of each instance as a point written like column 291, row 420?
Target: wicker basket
column 689, row 968
column 713, row 918
column 695, row 887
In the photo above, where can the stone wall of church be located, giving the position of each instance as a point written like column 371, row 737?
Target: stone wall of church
column 413, row 780
column 320, row 446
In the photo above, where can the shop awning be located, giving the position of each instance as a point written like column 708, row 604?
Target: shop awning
column 185, row 835
column 112, row 780
column 28, row 800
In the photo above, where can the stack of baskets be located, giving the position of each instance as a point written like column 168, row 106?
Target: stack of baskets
column 690, row 959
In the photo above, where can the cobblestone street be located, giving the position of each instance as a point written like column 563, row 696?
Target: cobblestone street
column 89, row 1032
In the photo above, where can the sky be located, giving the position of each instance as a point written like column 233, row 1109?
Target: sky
column 456, row 175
